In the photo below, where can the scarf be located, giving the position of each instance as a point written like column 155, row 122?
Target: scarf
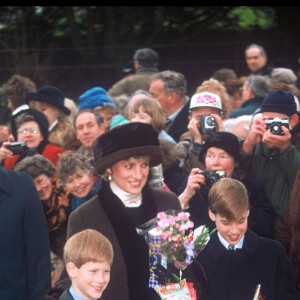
column 57, row 208
column 134, row 247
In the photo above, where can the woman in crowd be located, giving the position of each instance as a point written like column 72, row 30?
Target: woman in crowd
column 221, row 152
column 32, row 128
column 51, row 101
column 76, row 174
column 124, row 155
column 56, row 204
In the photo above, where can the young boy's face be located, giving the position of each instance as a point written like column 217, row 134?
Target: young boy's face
column 231, row 231
column 90, row 280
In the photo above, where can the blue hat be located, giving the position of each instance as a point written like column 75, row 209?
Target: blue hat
column 279, row 101
column 94, row 97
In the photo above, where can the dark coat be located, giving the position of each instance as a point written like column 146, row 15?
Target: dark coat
column 288, row 230
column 24, row 245
column 248, row 107
column 261, row 218
column 234, row 275
column 179, row 125
column 107, row 214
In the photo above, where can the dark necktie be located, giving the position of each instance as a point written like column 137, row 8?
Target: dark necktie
column 167, row 124
column 231, row 247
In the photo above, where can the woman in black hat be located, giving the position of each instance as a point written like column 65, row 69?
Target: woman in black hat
column 51, row 101
column 32, row 128
column 125, row 200
column 221, row 152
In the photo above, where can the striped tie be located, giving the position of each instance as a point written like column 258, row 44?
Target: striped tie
column 230, row 247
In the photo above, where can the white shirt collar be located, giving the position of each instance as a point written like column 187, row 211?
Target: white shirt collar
column 226, row 244
column 53, row 125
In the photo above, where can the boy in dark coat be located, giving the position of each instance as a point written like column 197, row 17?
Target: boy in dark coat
column 235, row 274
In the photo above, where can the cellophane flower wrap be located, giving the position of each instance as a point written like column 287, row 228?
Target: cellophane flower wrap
column 171, row 239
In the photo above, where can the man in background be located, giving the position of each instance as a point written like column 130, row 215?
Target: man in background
column 169, row 89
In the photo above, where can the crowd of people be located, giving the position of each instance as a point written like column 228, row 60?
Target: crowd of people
column 78, row 179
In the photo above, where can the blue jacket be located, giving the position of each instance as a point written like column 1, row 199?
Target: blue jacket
column 24, row 242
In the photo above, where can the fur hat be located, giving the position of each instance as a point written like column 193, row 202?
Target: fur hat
column 124, row 141
column 50, row 95
column 279, row 101
column 94, row 97
column 283, row 75
column 206, row 99
column 224, row 140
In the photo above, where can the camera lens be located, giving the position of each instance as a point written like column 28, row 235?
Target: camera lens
column 211, row 121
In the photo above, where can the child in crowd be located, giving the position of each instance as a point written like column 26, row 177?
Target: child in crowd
column 150, row 111
column 88, row 256
column 75, row 173
column 236, row 260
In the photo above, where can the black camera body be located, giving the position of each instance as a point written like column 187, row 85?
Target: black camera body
column 275, row 125
column 211, row 176
column 208, row 124
column 17, row 147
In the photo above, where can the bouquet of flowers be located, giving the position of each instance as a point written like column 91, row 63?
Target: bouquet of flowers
column 171, row 240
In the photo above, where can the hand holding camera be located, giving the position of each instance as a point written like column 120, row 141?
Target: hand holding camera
column 211, row 176
column 17, row 147
column 275, row 125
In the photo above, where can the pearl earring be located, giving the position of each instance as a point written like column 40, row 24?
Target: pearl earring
column 109, row 177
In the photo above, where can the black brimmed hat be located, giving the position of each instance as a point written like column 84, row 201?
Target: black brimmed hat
column 125, row 141
column 50, row 95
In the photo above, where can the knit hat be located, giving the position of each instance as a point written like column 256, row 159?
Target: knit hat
column 124, row 141
column 206, row 99
column 279, row 101
column 94, row 97
column 224, row 140
column 50, row 95
column 283, row 75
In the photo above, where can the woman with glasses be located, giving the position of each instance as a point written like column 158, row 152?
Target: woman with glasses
column 32, row 128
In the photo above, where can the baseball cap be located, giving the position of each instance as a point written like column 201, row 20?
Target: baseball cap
column 206, row 99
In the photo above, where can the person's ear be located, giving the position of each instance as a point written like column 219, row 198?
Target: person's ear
column 212, row 215
column 294, row 120
column 71, row 269
column 108, row 171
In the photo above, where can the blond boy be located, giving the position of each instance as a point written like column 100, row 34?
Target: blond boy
column 88, row 256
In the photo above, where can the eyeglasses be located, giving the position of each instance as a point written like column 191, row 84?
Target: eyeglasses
column 32, row 130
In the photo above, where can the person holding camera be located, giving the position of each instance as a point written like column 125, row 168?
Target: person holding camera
column 220, row 157
column 271, row 149
column 32, row 129
column 205, row 117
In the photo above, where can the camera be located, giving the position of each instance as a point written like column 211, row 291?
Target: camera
column 207, row 124
column 212, row 176
column 17, row 147
column 275, row 125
